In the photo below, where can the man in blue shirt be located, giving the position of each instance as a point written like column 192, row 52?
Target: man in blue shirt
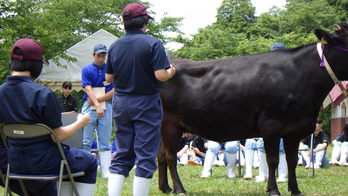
column 137, row 63
column 25, row 102
column 93, row 77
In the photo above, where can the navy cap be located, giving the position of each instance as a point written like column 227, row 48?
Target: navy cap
column 100, row 48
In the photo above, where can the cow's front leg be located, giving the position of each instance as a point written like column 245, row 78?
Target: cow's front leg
column 162, row 170
column 272, row 155
column 291, row 150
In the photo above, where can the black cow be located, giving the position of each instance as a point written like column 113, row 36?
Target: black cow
column 270, row 95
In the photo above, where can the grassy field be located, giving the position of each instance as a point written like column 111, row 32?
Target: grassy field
column 327, row 181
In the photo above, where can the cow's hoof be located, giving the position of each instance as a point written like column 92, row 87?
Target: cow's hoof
column 166, row 190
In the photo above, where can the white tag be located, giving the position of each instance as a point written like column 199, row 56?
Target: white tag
column 18, row 132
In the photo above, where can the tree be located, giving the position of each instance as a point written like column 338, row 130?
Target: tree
column 59, row 24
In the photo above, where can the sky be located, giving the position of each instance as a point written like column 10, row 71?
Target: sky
column 200, row 13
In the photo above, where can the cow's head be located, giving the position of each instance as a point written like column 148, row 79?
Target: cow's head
column 337, row 41
column 339, row 37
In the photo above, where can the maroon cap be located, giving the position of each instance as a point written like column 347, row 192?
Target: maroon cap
column 133, row 10
column 30, row 50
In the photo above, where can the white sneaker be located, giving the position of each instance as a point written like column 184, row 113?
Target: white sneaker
column 281, row 179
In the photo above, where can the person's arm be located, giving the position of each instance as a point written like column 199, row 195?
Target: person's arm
column 107, row 96
column 182, row 151
column 109, row 78
column 197, row 151
column 163, row 75
column 94, row 100
column 64, row 133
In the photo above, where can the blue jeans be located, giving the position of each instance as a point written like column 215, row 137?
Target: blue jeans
column 261, row 147
column 103, row 126
column 230, row 147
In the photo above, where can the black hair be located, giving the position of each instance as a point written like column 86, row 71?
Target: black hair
column 67, row 85
column 136, row 23
column 319, row 121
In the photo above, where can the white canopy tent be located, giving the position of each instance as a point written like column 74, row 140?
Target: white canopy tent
column 53, row 75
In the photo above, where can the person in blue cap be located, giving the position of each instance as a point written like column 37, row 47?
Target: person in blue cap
column 137, row 64
column 26, row 102
column 98, row 106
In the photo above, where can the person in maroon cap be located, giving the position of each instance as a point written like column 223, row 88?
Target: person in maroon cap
column 137, row 64
column 26, row 102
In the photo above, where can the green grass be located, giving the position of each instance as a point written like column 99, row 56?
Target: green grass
column 327, row 181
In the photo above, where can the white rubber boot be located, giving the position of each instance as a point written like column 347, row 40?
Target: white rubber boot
column 263, row 168
column 115, row 183
column 208, row 164
column 231, row 163
column 141, row 186
column 105, row 161
column 335, row 156
column 344, row 155
column 85, row 189
column 256, row 160
column 282, row 168
column 249, row 159
column 67, row 189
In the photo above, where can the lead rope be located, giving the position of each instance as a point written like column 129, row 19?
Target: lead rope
column 324, row 62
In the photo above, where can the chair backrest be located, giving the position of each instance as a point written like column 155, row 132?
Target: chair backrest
column 75, row 140
column 26, row 130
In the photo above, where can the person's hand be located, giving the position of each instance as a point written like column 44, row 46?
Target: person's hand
column 90, row 102
column 100, row 111
column 172, row 70
column 83, row 119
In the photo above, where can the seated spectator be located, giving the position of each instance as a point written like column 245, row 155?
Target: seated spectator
column 67, row 102
column 26, row 102
column 340, row 150
column 199, row 147
column 231, row 149
column 184, row 149
column 113, row 149
column 320, row 142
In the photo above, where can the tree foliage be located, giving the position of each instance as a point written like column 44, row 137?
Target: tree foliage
column 59, row 24
column 238, row 31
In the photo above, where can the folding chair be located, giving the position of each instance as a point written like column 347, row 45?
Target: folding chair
column 30, row 131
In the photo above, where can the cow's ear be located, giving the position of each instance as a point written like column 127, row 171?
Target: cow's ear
column 323, row 36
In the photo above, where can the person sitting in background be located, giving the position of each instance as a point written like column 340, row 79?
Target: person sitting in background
column 231, row 149
column 340, row 150
column 184, row 149
column 67, row 102
column 320, row 142
column 199, row 147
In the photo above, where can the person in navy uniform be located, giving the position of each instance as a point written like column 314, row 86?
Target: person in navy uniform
column 25, row 102
column 67, row 102
column 93, row 76
column 137, row 63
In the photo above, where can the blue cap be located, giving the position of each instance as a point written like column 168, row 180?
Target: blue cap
column 99, row 48
column 277, row 46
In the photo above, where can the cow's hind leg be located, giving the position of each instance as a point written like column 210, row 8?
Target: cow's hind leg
column 162, row 170
column 291, row 150
column 272, row 154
